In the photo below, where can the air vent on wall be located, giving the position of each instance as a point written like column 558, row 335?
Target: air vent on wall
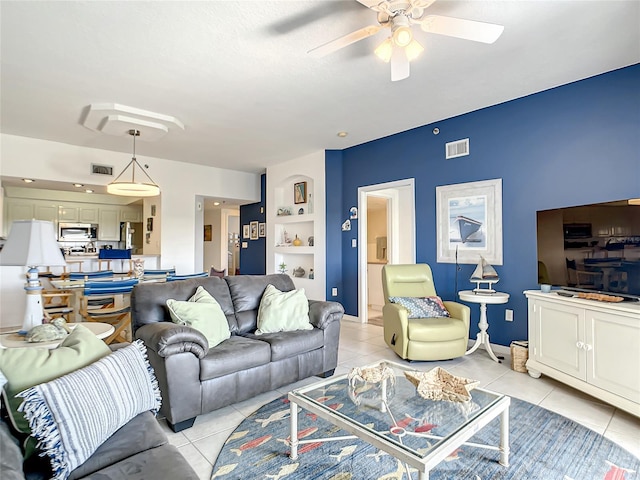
column 459, row 148
column 101, row 170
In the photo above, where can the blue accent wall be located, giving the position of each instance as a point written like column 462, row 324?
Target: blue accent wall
column 253, row 259
column 571, row 145
column 334, row 209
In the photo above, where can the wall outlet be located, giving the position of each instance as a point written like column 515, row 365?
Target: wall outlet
column 354, row 243
column 334, row 292
column 508, row 315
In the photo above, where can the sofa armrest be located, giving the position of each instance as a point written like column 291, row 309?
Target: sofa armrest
column 459, row 311
column 168, row 339
column 322, row 313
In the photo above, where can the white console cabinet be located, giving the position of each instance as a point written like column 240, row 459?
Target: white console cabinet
column 592, row 346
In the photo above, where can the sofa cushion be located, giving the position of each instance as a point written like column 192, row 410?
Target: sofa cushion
column 163, row 462
column 290, row 344
column 148, row 300
column 203, row 313
column 233, row 355
column 73, row 415
column 283, row 311
column 141, row 433
column 246, row 293
column 10, row 455
column 26, row 367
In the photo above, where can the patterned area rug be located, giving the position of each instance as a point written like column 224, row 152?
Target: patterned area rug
column 544, row 446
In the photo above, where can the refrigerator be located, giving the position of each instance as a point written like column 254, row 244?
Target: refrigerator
column 131, row 236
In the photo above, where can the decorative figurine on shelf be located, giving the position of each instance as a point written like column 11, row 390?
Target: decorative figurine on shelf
column 298, row 272
column 297, row 242
column 310, row 204
column 301, row 211
column 311, row 274
column 286, row 240
column 310, row 241
column 283, row 267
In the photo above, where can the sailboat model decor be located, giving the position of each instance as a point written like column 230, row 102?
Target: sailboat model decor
column 484, row 274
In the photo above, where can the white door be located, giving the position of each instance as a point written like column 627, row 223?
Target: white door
column 400, row 231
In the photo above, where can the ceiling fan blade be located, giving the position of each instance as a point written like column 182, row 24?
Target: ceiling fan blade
column 459, row 28
column 345, row 40
column 400, row 68
column 370, row 3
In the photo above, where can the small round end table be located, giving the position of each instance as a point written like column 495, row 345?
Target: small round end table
column 13, row 340
column 483, row 299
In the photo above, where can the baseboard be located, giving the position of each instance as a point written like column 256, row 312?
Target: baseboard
column 351, row 318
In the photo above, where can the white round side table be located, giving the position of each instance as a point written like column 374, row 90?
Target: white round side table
column 483, row 299
column 13, row 340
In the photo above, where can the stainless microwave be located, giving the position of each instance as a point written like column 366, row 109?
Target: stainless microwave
column 77, row 232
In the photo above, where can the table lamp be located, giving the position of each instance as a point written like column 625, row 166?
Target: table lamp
column 32, row 243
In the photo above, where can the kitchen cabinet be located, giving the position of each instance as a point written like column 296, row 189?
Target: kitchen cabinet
column 68, row 214
column 109, row 224
column 88, row 214
column 590, row 345
column 20, row 209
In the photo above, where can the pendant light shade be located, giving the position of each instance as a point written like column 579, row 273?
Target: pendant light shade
column 129, row 186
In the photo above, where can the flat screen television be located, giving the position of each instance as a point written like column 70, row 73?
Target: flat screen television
column 591, row 248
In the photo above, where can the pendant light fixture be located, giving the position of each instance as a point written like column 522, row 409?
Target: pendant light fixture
column 129, row 186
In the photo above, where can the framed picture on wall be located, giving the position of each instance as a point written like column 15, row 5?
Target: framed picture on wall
column 207, row 233
column 245, row 231
column 469, row 222
column 253, row 228
column 300, row 192
column 262, row 229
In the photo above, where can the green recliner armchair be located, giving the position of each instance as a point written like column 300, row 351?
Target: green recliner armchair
column 439, row 338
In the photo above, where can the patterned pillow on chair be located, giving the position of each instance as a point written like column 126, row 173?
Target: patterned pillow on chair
column 422, row 307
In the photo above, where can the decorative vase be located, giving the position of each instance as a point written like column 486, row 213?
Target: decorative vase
column 138, row 268
column 297, row 242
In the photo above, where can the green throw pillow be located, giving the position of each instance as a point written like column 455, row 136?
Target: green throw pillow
column 203, row 313
column 283, row 311
column 29, row 366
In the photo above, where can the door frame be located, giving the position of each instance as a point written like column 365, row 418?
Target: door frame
column 393, row 234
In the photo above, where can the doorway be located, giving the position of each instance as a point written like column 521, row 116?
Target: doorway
column 397, row 246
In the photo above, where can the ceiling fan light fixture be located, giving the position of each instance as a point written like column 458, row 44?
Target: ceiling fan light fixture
column 384, row 50
column 413, row 50
column 133, row 188
column 402, row 36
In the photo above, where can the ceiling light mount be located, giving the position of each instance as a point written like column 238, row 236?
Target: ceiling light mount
column 133, row 187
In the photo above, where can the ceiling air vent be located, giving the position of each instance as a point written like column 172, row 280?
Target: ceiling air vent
column 459, row 148
column 101, row 170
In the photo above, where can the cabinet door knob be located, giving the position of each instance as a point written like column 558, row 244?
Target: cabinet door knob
column 580, row 345
column 588, row 347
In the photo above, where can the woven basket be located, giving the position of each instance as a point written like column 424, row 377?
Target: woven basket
column 519, row 356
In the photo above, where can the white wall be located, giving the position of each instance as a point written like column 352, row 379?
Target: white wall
column 180, row 184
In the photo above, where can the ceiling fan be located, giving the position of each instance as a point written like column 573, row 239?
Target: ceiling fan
column 400, row 47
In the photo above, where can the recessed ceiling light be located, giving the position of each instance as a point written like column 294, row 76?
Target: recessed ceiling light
column 28, row 180
column 342, row 134
column 216, row 203
column 88, row 190
column 78, row 185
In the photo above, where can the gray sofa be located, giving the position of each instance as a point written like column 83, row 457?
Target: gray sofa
column 195, row 379
column 139, row 450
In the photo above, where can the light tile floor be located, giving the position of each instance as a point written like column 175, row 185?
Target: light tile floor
column 362, row 344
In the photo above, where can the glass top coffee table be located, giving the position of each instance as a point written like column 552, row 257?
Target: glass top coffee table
column 416, row 431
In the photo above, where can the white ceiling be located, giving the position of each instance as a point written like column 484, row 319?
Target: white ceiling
column 237, row 74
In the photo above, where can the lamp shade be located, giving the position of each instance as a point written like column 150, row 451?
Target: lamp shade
column 31, row 243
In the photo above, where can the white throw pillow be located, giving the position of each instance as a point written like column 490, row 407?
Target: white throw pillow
column 203, row 313
column 283, row 311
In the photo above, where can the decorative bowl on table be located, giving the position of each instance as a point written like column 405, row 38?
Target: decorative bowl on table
column 372, row 386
